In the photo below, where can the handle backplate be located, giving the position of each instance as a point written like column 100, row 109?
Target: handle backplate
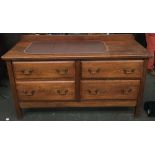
column 128, row 71
column 62, row 91
column 62, row 71
column 27, row 71
column 94, row 71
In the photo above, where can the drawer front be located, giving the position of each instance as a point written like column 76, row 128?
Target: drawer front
column 45, row 91
column 48, row 69
column 110, row 89
column 112, row 69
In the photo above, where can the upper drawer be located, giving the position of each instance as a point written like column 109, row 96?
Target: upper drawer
column 112, row 69
column 44, row 69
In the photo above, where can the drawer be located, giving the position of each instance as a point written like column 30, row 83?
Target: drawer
column 110, row 89
column 45, row 90
column 44, row 69
column 112, row 69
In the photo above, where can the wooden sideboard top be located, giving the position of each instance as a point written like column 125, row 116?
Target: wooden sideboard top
column 116, row 47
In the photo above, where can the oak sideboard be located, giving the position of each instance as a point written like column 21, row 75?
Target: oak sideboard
column 77, row 71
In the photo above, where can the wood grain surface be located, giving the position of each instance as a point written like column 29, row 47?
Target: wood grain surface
column 44, row 70
column 110, row 89
column 112, row 69
column 45, row 90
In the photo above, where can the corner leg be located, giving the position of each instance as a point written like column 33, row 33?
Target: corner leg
column 14, row 91
column 19, row 113
column 137, row 111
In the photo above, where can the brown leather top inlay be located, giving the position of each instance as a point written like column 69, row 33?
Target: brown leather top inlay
column 51, row 47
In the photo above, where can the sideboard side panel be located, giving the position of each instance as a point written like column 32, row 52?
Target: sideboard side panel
column 13, row 88
column 139, row 106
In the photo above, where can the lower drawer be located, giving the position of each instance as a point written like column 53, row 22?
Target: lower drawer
column 45, row 90
column 109, row 89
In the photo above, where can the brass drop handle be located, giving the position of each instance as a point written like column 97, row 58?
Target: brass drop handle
column 94, row 71
column 62, row 91
column 27, row 71
column 93, row 92
column 128, row 71
column 62, row 71
column 29, row 93
column 127, row 91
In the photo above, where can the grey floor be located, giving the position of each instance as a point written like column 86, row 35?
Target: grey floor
column 74, row 114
